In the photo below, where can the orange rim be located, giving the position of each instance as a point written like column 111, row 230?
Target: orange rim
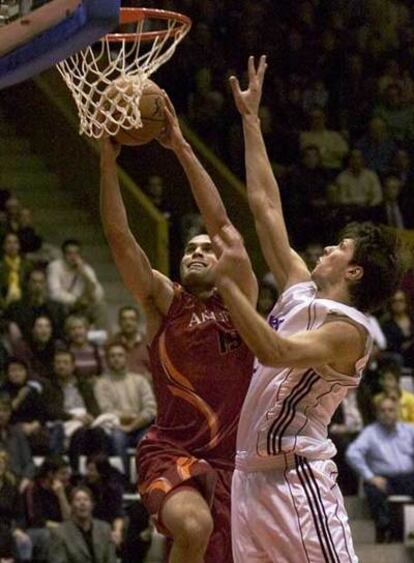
column 135, row 15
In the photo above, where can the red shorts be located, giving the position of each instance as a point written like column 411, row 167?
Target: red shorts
column 163, row 467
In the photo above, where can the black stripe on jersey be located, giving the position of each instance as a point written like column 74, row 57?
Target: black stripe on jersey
column 313, row 511
column 284, row 411
column 315, row 482
column 323, row 518
column 291, row 416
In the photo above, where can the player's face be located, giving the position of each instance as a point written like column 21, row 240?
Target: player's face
column 198, row 262
column 334, row 263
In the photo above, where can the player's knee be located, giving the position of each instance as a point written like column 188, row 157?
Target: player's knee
column 196, row 529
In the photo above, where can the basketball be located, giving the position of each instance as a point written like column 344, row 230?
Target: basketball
column 151, row 106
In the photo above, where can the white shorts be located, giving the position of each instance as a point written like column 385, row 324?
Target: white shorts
column 290, row 515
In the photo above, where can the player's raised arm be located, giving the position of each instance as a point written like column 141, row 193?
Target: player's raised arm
column 262, row 188
column 204, row 190
column 145, row 284
column 333, row 340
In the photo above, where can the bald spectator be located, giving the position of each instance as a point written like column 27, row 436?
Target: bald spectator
column 73, row 283
column 332, row 146
column 383, row 456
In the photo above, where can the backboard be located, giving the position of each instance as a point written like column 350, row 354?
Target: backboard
column 34, row 41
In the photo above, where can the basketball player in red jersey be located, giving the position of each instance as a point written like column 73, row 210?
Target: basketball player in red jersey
column 201, row 369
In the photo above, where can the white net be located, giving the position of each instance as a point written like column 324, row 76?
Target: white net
column 107, row 79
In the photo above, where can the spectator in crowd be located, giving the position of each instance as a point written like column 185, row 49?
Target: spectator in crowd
column 13, row 210
column 332, row 146
column 29, row 409
column 357, row 185
column 205, row 105
column 306, row 187
column 72, row 400
column 14, row 542
column 46, row 505
column 89, row 356
column 16, row 445
column 401, row 166
column 131, row 335
column 399, row 328
column 34, row 303
column 376, row 146
column 399, row 117
column 383, row 456
column 390, row 212
column 315, row 96
column 73, row 283
column 30, row 240
column 39, row 349
column 13, row 270
column 390, row 374
column 155, row 189
column 106, row 486
column 82, row 538
column 129, row 397
column 312, row 252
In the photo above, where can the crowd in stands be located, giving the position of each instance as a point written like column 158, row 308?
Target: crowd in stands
column 338, row 117
column 75, row 397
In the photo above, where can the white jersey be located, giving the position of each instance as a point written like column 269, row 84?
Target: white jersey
column 287, row 410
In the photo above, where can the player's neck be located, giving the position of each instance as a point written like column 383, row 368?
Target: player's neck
column 202, row 292
column 335, row 293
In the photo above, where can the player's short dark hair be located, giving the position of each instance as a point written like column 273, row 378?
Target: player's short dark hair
column 378, row 251
column 70, row 242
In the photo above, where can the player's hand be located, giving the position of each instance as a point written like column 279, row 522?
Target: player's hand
column 248, row 101
column 109, row 148
column 379, row 482
column 233, row 260
column 171, row 136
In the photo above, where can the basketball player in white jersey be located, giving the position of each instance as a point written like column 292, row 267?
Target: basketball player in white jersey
column 286, row 505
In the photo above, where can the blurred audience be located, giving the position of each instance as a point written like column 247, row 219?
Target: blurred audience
column 131, row 335
column 89, row 356
column 129, row 397
column 383, row 456
column 73, row 283
column 81, row 537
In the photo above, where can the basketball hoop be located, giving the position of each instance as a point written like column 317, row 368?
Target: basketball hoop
column 107, row 79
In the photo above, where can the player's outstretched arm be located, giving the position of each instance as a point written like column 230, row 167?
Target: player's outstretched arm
column 143, row 282
column 204, row 190
column 334, row 340
column 262, row 188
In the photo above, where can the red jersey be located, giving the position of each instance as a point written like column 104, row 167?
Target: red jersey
column 201, row 371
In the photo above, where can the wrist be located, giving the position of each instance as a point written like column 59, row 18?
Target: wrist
column 251, row 119
column 181, row 147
